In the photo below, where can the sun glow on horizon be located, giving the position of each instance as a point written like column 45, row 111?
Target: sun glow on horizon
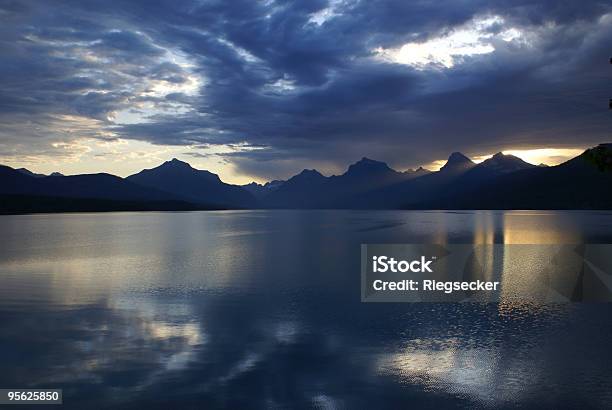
column 547, row 156
column 536, row 156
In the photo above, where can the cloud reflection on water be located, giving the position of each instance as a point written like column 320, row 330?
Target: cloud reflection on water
column 151, row 308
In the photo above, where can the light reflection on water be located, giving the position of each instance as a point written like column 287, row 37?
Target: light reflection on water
column 261, row 309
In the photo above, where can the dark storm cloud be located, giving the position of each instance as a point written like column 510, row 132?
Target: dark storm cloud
column 301, row 80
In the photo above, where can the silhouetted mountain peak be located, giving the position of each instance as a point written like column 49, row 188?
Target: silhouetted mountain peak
column 417, row 172
column 368, row 161
column 367, row 166
column 56, row 174
column 261, row 190
column 26, row 171
column 421, row 171
column 176, row 168
column 268, row 185
column 176, row 163
column 307, row 176
column 200, row 186
column 600, row 156
column 505, row 163
column 458, row 157
column 310, row 174
column 274, row 184
column 457, row 161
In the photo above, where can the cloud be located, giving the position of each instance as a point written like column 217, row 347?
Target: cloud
column 310, row 82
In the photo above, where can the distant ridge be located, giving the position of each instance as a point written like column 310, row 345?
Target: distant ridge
column 26, row 171
column 420, row 171
column 581, row 183
column 259, row 191
column 310, row 189
column 412, row 190
column 500, row 182
column 100, row 186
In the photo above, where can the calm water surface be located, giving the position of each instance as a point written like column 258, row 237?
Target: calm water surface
column 261, row 309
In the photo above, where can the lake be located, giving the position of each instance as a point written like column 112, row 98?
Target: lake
column 261, row 309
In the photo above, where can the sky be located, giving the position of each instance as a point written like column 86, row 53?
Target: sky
column 259, row 90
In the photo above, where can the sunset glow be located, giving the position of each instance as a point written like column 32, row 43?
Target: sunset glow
column 537, row 156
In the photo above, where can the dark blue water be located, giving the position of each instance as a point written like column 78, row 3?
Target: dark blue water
column 261, row 309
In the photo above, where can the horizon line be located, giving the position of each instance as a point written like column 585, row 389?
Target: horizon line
column 526, row 155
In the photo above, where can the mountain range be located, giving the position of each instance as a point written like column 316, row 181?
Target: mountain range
column 500, row 182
